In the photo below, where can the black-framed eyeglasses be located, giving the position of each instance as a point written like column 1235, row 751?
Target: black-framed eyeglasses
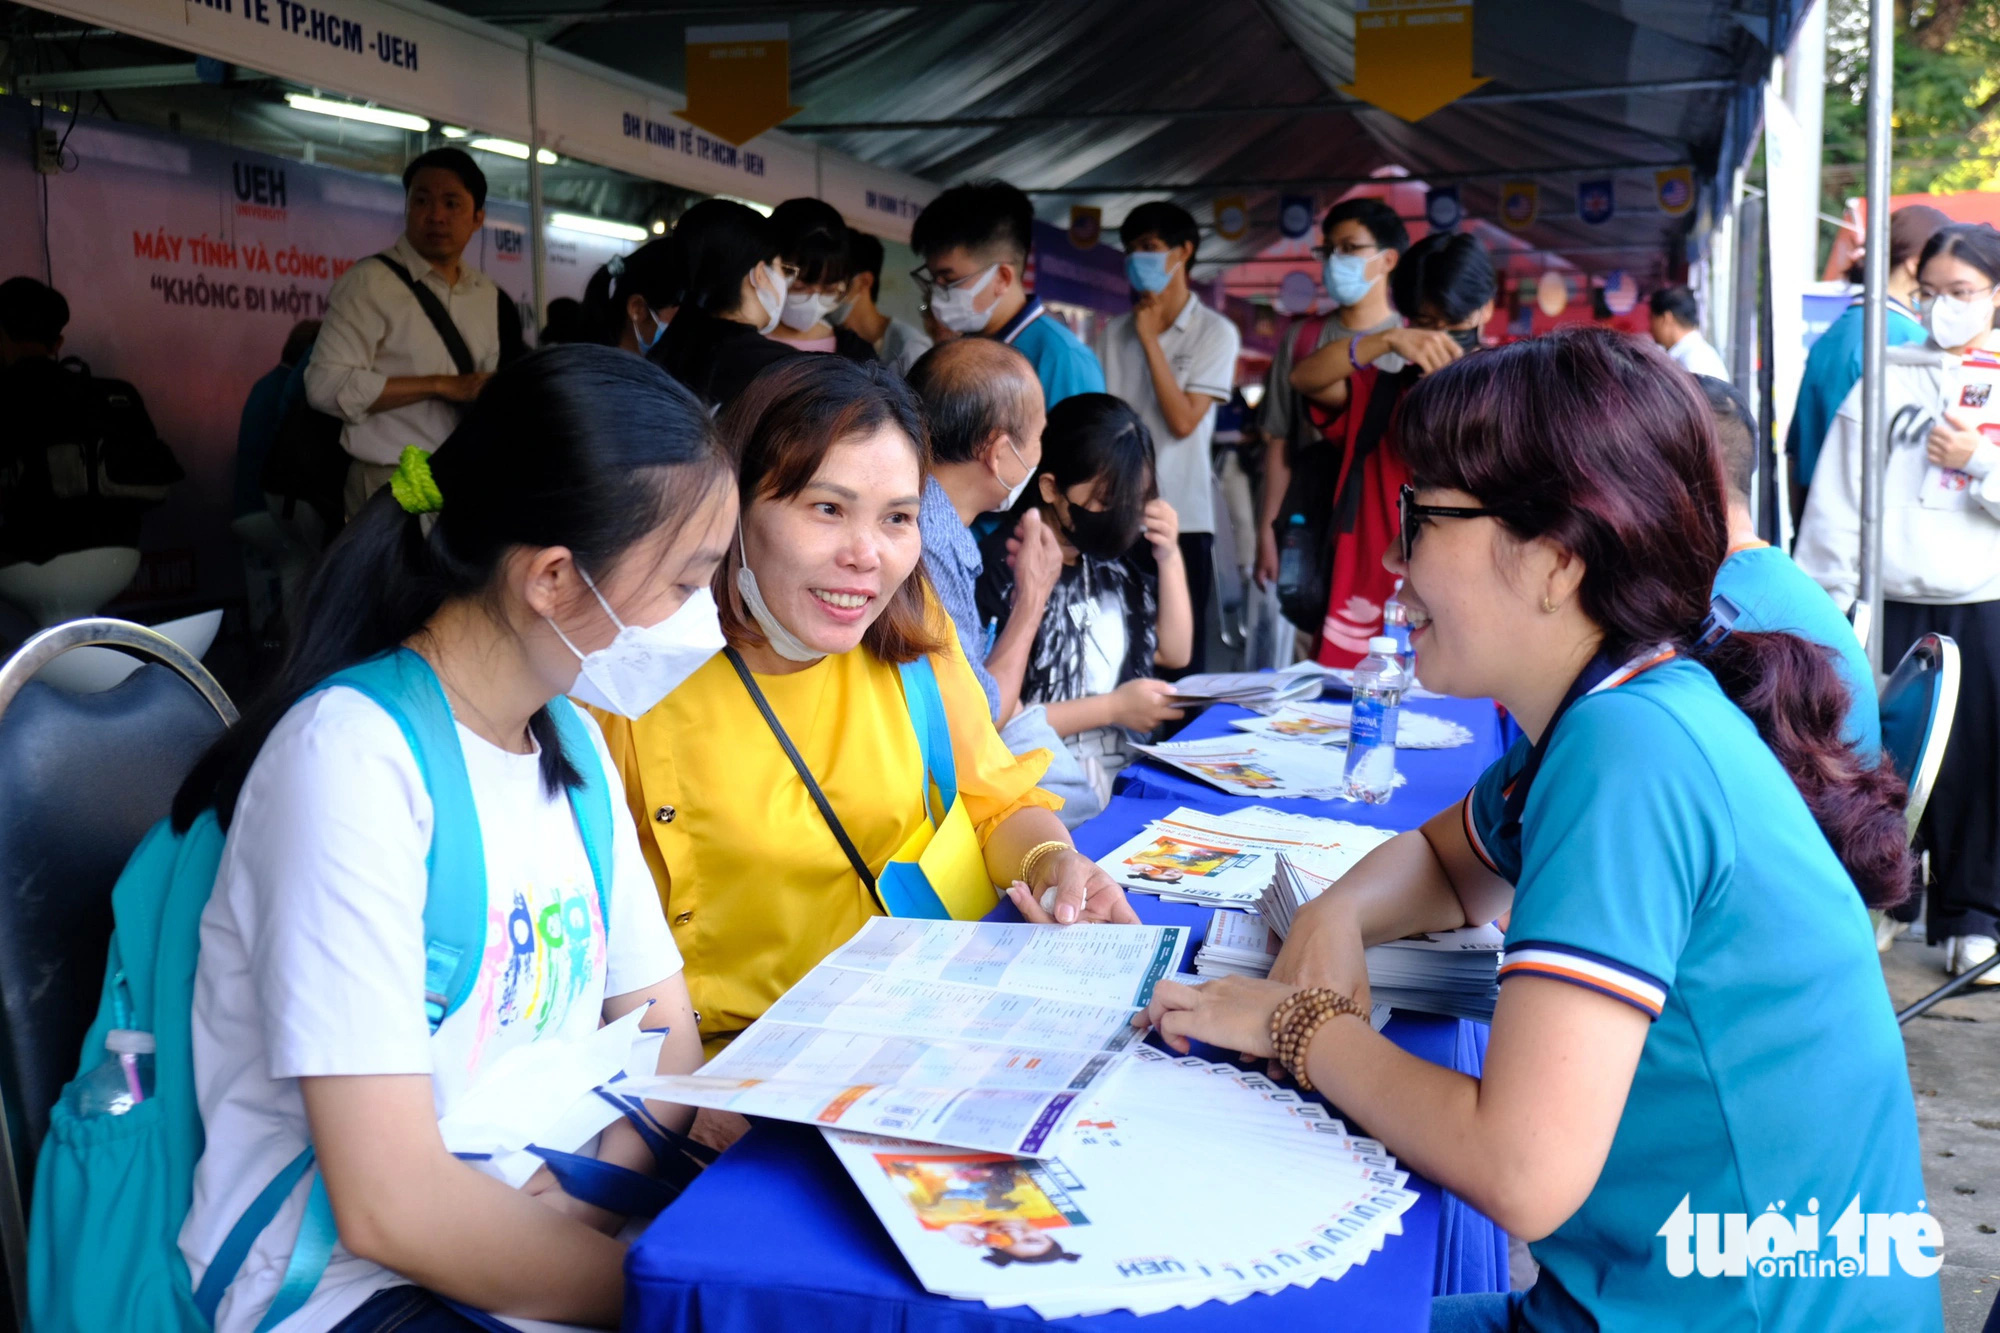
column 1414, row 515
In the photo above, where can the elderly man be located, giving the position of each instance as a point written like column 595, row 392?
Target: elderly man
column 983, row 401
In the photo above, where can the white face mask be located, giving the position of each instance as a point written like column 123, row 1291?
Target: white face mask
column 1014, row 491
column 644, row 664
column 772, row 298
column 952, row 306
column 1954, row 323
column 783, row 642
column 805, row 309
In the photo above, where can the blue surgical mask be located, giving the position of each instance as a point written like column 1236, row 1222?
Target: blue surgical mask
column 1147, row 270
column 1347, row 278
column 659, row 331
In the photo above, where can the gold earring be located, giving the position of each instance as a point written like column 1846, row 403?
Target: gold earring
column 1548, row 606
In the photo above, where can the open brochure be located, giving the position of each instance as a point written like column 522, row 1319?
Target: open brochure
column 1286, row 1197
column 976, row 1034
column 1327, row 724
column 1230, row 858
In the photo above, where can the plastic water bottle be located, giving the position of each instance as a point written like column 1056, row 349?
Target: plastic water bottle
column 1292, row 545
column 122, row 1081
column 1371, row 734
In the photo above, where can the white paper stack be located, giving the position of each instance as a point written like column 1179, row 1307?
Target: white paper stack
column 1285, row 1197
column 1251, row 689
column 1455, row 973
column 1260, row 766
column 1327, row 724
column 973, row 1033
column 1199, row 856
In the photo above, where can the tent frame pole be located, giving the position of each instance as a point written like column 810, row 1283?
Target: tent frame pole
column 1875, row 316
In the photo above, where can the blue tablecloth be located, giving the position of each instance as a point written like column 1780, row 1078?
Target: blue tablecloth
column 1436, row 778
column 774, row 1236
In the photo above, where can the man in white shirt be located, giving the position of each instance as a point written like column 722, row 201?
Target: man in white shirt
column 381, row 364
column 896, row 343
column 1676, row 326
column 1173, row 359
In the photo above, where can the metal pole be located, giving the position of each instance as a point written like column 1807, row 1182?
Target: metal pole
column 1875, row 315
column 1743, row 304
column 535, row 246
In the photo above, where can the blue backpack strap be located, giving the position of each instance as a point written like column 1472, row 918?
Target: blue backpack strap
column 590, row 803
column 228, row 1261
column 406, row 688
column 311, row 1253
column 933, row 728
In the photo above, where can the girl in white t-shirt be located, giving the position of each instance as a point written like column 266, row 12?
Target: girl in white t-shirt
column 574, row 517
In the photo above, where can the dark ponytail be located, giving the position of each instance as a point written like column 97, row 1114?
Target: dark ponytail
column 656, row 272
column 1599, row 443
column 576, row 445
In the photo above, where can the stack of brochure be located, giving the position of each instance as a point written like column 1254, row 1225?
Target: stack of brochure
column 1284, row 1197
column 1200, row 856
column 1250, row 689
column 1259, row 766
column 977, row 1034
column 1454, row 972
column 1327, row 724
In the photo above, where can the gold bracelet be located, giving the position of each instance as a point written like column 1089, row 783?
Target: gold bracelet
column 1040, row 852
column 1295, row 1021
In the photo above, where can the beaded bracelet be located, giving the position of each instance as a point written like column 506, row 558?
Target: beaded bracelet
column 1298, row 1018
column 1040, row 852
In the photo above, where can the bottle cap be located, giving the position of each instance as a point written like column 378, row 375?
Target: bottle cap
column 129, row 1041
column 1384, row 645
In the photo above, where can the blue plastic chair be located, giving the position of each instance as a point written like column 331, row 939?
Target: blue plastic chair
column 1919, row 703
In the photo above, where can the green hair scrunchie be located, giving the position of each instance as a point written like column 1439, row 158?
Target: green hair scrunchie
column 412, row 484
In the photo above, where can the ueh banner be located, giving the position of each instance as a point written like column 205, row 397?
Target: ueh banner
column 185, row 264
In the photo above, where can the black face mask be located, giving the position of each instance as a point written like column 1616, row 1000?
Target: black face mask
column 1106, row 534
column 1466, row 338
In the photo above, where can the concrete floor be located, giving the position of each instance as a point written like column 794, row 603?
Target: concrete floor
column 1954, row 1054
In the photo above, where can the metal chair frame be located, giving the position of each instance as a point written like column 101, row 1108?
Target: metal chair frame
column 36, row 653
column 1938, row 734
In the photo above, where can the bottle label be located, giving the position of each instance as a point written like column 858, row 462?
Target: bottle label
column 1365, row 727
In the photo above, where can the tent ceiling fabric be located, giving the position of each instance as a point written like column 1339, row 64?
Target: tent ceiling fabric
column 852, row 61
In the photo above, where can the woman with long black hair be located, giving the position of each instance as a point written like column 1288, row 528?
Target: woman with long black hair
column 415, row 742
column 632, row 298
column 736, row 283
column 1695, row 1101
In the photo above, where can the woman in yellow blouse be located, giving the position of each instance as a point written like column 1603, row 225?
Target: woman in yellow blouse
column 823, row 601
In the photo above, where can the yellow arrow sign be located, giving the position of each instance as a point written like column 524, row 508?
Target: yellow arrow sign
column 1412, row 56
column 739, row 79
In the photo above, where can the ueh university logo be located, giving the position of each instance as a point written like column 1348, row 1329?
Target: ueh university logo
column 1773, row 1245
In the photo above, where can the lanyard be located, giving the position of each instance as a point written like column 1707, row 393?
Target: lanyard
column 1599, row 671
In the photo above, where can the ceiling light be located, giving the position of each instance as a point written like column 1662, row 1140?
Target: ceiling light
column 514, row 149
column 374, row 115
column 454, row 132
column 659, row 227
column 617, row 231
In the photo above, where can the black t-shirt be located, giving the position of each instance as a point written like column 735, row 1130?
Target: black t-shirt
column 715, row 357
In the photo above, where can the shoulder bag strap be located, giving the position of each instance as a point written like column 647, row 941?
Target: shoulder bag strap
column 461, row 355
column 799, row 766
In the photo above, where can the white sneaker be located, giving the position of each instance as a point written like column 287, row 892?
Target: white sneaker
column 1962, row 953
column 1887, row 930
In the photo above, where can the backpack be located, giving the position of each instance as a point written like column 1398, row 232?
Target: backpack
column 114, row 454
column 307, row 464
column 1305, row 514
column 111, row 1193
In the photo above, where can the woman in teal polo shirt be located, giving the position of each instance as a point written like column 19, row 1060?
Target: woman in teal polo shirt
column 1693, row 1030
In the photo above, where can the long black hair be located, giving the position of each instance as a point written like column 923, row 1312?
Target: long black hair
column 657, row 272
column 1448, row 271
column 724, row 241
column 578, row 445
column 1096, row 436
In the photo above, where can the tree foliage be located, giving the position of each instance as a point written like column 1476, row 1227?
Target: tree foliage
column 1947, row 95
